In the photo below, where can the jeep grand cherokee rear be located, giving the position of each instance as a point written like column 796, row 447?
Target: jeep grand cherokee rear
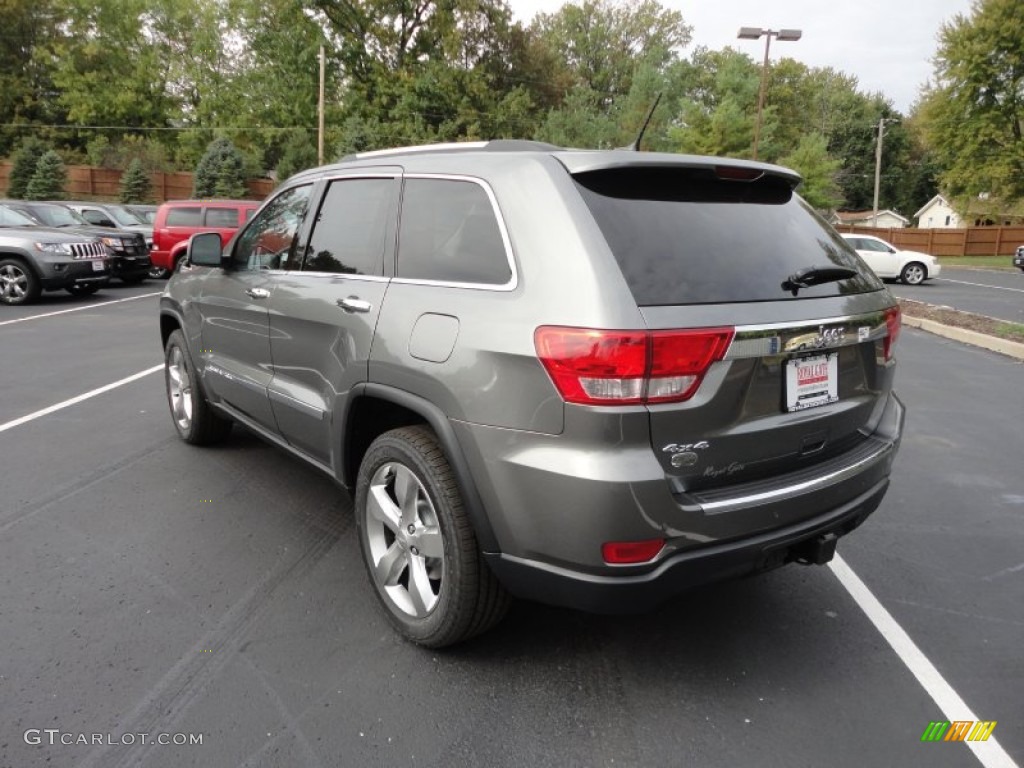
column 593, row 379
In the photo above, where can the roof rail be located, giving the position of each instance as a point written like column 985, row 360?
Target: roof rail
column 496, row 145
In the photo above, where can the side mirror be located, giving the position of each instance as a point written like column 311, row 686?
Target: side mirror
column 204, row 249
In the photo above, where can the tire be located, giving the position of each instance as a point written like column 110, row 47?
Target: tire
column 159, row 273
column 438, row 590
column 914, row 273
column 82, row 290
column 18, row 283
column 191, row 413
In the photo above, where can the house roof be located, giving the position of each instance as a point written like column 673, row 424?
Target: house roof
column 853, row 217
column 930, row 203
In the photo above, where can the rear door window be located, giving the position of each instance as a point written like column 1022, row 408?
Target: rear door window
column 184, row 217
column 685, row 236
column 449, row 233
column 222, row 217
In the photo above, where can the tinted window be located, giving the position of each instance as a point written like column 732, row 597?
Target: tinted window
column 874, row 245
column 271, row 239
column 449, row 232
column 351, row 228
column 184, row 217
column 98, row 218
column 684, row 236
column 221, row 217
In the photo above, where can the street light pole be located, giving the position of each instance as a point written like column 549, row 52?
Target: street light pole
column 754, row 33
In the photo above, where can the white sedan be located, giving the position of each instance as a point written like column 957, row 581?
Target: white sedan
column 912, row 267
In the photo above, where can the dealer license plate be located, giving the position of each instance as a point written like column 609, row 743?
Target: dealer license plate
column 812, row 381
column 98, row 266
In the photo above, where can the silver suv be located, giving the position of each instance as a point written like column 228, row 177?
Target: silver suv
column 590, row 378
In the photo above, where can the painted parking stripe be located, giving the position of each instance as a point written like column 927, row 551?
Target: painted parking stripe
column 78, row 309
column 989, row 753
column 979, row 285
column 79, row 398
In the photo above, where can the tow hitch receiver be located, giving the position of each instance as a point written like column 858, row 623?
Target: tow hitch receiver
column 816, row 551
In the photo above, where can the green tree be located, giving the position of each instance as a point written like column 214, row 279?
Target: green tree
column 48, row 181
column 973, row 115
column 299, row 153
column 812, row 161
column 24, row 166
column 221, row 171
column 135, row 185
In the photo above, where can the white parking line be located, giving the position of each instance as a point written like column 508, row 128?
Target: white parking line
column 79, row 398
column 78, row 309
column 990, row 753
column 979, row 285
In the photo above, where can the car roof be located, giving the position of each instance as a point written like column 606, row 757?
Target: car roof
column 574, row 160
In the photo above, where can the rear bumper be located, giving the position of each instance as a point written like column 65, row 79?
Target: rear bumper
column 552, row 506
column 682, row 571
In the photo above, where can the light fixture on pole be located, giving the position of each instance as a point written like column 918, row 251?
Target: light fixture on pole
column 754, row 33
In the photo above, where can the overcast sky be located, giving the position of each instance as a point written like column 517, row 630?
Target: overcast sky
column 886, row 44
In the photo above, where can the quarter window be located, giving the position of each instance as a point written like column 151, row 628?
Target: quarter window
column 449, row 233
column 351, row 227
column 271, row 239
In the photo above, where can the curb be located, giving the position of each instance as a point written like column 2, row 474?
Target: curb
column 992, row 343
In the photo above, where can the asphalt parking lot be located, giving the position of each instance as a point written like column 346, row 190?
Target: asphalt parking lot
column 996, row 293
column 153, row 588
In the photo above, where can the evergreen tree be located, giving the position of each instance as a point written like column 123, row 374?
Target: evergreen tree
column 25, row 161
column 221, row 171
column 47, row 183
column 298, row 154
column 135, row 184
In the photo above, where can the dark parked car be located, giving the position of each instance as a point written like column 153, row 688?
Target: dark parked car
column 590, row 378
column 35, row 259
column 110, row 215
column 177, row 220
column 1018, row 258
column 129, row 256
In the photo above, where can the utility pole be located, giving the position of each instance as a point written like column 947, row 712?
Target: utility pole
column 878, row 165
column 320, row 131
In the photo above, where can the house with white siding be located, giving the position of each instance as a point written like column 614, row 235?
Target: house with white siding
column 886, row 219
column 937, row 213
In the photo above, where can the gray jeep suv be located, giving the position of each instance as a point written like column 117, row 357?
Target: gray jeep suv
column 590, row 378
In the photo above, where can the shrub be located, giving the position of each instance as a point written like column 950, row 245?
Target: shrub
column 47, row 183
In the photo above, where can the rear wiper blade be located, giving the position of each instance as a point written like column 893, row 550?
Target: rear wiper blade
column 808, row 276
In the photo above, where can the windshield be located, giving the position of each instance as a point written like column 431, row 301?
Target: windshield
column 58, row 216
column 123, row 217
column 11, row 218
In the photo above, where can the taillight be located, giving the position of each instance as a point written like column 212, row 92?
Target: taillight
column 596, row 367
column 893, row 322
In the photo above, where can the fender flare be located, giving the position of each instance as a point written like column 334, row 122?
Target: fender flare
column 442, row 427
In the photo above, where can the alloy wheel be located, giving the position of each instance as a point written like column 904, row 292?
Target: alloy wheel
column 405, row 541
column 179, row 389
column 13, row 282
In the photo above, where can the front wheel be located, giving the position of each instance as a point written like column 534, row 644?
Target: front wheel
column 914, row 273
column 418, row 543
column 192, row 415
column 18, row 283
column 158, row 273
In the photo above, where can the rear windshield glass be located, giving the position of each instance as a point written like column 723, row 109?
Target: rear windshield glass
column 684, row 236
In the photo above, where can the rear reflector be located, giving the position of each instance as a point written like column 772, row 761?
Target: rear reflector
column 597, row 367
column 631, row 552
column 893, row 323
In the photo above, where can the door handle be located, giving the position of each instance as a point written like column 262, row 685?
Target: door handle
column 354, row 304
column 258, row 293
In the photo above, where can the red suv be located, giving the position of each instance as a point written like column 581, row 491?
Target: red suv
column 177, row 220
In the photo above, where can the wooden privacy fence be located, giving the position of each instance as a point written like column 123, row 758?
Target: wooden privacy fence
column 972, row 241
column 87, row 182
